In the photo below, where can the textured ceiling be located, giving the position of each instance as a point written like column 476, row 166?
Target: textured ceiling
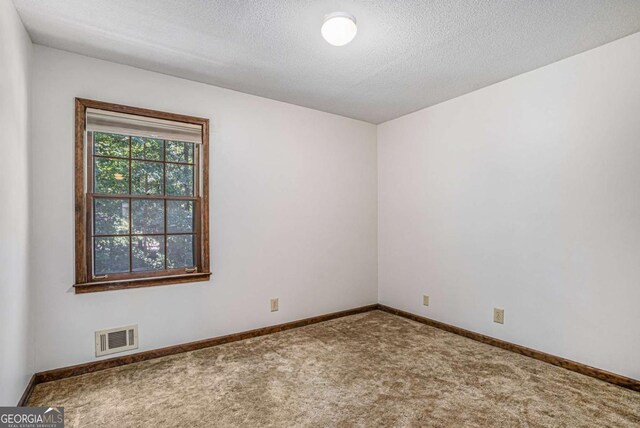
column 408, row 54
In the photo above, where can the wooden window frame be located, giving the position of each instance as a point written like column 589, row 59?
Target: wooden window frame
column 85, row 282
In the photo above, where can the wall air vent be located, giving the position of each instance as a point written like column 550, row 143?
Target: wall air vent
column 116, row 340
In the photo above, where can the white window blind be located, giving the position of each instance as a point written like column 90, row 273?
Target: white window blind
column 141, row 126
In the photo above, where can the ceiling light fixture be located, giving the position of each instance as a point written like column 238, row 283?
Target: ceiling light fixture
column 339, row 28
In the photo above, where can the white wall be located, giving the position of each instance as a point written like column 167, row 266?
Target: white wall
column 293, row 213
column 16, row 357
column 523, row 195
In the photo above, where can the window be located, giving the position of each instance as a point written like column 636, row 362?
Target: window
column 141, row 197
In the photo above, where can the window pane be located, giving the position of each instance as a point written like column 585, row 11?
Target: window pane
column 179, row 180
column 147, row 178
column 148, row 253
column 178, row 151
column 111, row 145
column 180, row 251
column 111, row 255
column 179, row 216
column 148, row 215
column 147, row 148
column 111, row 216
column 111, row 176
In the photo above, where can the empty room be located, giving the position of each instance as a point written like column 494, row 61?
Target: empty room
column 319, row 213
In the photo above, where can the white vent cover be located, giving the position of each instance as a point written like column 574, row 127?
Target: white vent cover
column 116, row 340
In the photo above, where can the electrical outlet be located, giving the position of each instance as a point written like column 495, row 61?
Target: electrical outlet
column 274, row 305
column 425, row 300
column 498, row 315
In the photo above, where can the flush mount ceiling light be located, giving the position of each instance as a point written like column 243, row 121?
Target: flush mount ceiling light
column 339, row 28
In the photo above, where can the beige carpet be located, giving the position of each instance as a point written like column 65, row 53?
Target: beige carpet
column 372, row 369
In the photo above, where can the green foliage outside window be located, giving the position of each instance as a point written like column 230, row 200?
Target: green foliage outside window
column 137, row 235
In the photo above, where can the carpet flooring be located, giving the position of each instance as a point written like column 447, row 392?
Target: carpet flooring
column 370, row 369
